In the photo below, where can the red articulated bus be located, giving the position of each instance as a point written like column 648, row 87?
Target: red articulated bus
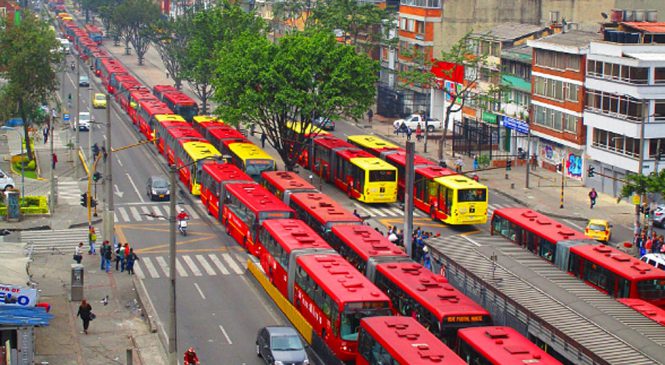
column 118, row 80
column 646, row 309
column 146, row 112
column 364, row 248
column 222, row 135
column 201, row 122
column 124, row 90
column 214, row 178
column 110, row 66
column 536, row 232
column 161, row 132
column 97, row 57
column 177, row 134
column 323, row 154
column 617, row 273
column 246, row 206
column 398, row 159
column 94, row 33
column 181, row 103
column 500, row 346
column 429, row 298
column 321, row 212
column 284, row 183
column 280, row 242
column 401, row 341
column 333, row 297
column 135, row 97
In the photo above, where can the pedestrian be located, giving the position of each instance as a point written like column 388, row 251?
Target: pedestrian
column 54, row 160
column 534, row 161
column 104, row 153
column 131, row 259
column 45, row 132
column 657, row 245
column 419, row 133
column 107, row 254
column 427, row 260
column 263, row 139
column 77, row 253
column 476, row 178
column 408, row 133
column 459, row 164
column 85, row 312
column 640, row 241
column 370, row 115
column 476, row 166
column 592, row 197
column 92, row 239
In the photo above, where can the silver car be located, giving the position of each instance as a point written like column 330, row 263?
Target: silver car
column 280, row 345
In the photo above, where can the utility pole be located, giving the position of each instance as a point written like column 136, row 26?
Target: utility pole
column 528, row 157
column 52, row 172
column 173, row 326
column 77, row 145
column 109, row 212
column 408, row 197
column 563, row 175
column 640, row 169
column 92, row 124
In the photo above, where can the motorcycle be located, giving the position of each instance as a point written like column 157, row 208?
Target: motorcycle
column 182, row 227
column 73, row 66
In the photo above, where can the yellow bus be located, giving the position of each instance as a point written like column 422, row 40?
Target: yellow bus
column 190, row 157
column 377, row 146
column 311, row 130
column 251, row 159
column 454, row 199
column 364, row 177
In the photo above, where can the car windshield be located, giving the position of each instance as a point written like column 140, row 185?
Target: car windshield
column 84, row 116
column 286, row 343
column 596, row 227
column 100, row 97
column 83, row 78
column 159, row 184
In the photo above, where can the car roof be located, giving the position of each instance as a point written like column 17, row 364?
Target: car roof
column 597, row 221
column 157, row 177
column 281, row 330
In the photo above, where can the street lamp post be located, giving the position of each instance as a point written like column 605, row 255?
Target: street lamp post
column 108, row 214
column 20, row 141
column 76, row 120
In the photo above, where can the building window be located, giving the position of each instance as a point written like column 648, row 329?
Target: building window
column 549, row 118
column 656, row 148
column 550, row 88
column 617, row 106
column 570, row 123
column 659, row 75
column 613, row 71
column 616, row 143
column 402, row 23
column 659, row 111
column 556, row 60
column 410, row 25
column 572, row 92
column 436, row 4
column 420, row 27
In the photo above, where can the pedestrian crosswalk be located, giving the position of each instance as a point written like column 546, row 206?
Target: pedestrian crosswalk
column 384, row 210
column 192, row 265
column 69, row 191
column 61, row 241
column 492, row 207
column 147, row 212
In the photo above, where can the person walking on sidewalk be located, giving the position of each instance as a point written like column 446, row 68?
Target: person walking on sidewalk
column 77, row 253
column 419, row 133
column 409, row 131
column 476, row 165
column 370, row 115
column 263, row 139
column 54, row 160
column 459, row 164
column 85, row 312
column 592, row 197
column 45, row 131
column 131, row 259
column 92, row 239
column 119, row 257
column 107, row 254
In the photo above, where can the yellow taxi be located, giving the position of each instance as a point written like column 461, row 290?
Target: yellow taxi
column 99, row 101
column 599, row 230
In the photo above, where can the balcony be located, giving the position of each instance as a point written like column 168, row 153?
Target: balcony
column 637, row 91
column 655, row 128
column 431, row 4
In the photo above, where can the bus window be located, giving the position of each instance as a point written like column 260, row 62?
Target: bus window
column 381, row 175
column 472, row 195
column 651, row 289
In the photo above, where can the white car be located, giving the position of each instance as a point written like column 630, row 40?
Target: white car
column 416, row 119
column 6, row 181
column 84, row 121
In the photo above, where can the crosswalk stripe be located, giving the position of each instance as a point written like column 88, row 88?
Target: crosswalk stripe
column 215, row 260
column 180, row 269
column 135, row 214
column 123, row 213
column 158, row 212
column 362, row 208
column 232, row 264
column 162, row 263
column 192, row 265
column 398, row 211
column 138, row 272
column 206, row 266
column 151, row 268
column 147, row 213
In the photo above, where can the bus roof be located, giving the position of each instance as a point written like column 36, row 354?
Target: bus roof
column 92, row 28
column 504, row 345
column 460, row 182
column 169, row 118
column 185, row 133
column 222, row 131
column 113, row 65
column 366, row 241
column 294, row 234
column 354, row 152
column 248, row 151
column 340, row 279
column 373, row 142
column 433, row 292
column 409, row 342
column 323, row 208
column 432, row 172
column 206, row 119
column 618, row 262
column 399, row 158
column 142, row 94
column 164, row 88
column 174, row 124
column 153, row 107
column 179, row 98
column 226, row 172
column 297, row 127
column 199, row 150
column 373, row 164
column 286, row 180
column 645, row 308
column 545, row 226
column 331, row 142
column 257, row 198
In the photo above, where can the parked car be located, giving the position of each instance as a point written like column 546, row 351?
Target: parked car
column 6, row 181
column 99, row 101
column 84, row 121
column 599, row 229
column 656, row 260
column 84, row 81
column 280, row 345
column 416, row 119
column 158, row 188
column 324, row 123
column 659, row 216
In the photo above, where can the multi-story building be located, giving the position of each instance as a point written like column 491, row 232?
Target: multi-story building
column 8, row 10
column 625, row 103
column 557, row 100
column 515, row 99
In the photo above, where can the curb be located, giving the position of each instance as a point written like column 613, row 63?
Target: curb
column 149, row 311
column 85, row 224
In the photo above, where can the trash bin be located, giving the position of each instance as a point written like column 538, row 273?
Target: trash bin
column 77, row 283
column 13, row 206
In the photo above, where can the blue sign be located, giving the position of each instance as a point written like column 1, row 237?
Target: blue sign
column 515, row 124
column 65, row 117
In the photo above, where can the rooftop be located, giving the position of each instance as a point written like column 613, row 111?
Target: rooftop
column 521, row 53
column 646, row 27
column 574, row 41
column 510, row 31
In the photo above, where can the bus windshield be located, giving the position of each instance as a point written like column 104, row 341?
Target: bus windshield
column 472, row 195
column 382, row 175
column 256, row 167
column 187, row 112
column 651, row 289
column 354, row 312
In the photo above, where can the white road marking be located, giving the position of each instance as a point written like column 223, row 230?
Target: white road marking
column 232, row 264
column 215, row 260
column 225, row 335
column 362, row 208
column 119, row 162
column 206, row 266
column 146, row 213
column 123, row 213
column 158, row 213
column 139, row 272
column 200, row 291
column 180, row 269
column 151, row 268
column 165, row 267
column 135, row 188
column 192, row 265
column 573, row 224
column 472, row 241
column 135, row 214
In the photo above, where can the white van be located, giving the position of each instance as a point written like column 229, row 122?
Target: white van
column 655, row 259
column 6, row 182
column 64, row 45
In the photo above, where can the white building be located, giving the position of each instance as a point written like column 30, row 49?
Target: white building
column 625, row 103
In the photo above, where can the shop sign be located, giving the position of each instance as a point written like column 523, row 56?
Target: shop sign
column 17, row 295
column 489, row 117
column 514, row 124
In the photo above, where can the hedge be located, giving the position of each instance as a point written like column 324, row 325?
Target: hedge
column 30, row 205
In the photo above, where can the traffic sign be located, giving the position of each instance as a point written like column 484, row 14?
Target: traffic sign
column 65, row 117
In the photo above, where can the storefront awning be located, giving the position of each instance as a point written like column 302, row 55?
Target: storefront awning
column 11, row 315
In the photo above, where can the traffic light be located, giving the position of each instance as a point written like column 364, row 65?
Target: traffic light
column 509, row 165
column 84, row 199
column 647, row 212
column 96, row 176
column 591, row 171
column 93, row 203
column 559, row 167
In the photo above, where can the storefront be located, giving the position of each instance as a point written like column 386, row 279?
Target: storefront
column 514, row 138
column 551, row 153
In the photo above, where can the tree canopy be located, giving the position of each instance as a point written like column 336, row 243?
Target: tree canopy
column 135, row 20
column 301, row 77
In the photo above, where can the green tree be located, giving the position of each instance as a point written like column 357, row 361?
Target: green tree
column 303, row 76
column 135, row 20
column 27, row 63
column 170, row 36
column 638, row 184
column 209, row 33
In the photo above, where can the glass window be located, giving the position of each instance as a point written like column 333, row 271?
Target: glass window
column 570, row 123
column 572, row 92
column 382, row 175
column 659, row 75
